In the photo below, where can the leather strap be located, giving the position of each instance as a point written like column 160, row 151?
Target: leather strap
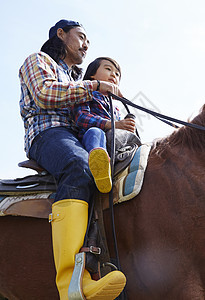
column 91, row 249
column 161, row 117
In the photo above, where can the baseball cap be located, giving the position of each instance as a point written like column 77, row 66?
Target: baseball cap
column 61, row 24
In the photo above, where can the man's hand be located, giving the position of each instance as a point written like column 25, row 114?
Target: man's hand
column 106, row 87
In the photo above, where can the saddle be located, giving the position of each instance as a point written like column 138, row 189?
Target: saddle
column 34, row 195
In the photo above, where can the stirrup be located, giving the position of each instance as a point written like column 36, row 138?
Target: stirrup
column 75, row 290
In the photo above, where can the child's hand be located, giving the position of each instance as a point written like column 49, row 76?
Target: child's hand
column 126, row 124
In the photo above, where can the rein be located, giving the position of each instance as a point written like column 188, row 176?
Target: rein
column 159, row 116
column 112, row 161
column 166, row 119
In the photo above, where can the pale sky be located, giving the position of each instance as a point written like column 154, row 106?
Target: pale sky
column 159, row 44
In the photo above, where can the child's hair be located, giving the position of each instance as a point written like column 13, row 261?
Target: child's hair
column 94, row 65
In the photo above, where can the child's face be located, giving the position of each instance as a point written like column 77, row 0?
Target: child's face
column 107, row 72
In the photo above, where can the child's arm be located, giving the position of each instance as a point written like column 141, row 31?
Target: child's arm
column 85, row 119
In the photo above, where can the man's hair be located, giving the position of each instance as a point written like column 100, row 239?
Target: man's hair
column 94, row 65
column 56, row 49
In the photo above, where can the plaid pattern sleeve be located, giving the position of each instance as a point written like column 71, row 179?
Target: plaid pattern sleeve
column 40, row 75
column 94, row 113
column 117, row 114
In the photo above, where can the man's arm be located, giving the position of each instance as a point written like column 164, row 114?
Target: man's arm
column 39, row 74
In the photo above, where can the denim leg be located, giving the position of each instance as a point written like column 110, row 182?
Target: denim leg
column 59, row 151
column 93, row 138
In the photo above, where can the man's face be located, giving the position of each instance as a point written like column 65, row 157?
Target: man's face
column 77, row 45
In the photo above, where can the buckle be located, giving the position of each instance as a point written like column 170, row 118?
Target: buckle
column 95, row 250
column 91, row 249
column 50, row 218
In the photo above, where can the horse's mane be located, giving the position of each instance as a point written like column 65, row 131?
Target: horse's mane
column 185, row 136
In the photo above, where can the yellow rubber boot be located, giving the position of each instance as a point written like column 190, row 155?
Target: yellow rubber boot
column 69, row 223
column 99, row 164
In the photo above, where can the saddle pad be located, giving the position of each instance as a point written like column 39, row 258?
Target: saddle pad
column 35, row 205
column 129, row 182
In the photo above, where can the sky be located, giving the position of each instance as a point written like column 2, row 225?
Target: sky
column 160, row 46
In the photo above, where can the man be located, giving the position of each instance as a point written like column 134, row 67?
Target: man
column 48, row 90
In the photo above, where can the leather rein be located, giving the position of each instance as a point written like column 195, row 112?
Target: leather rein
column 168, row 120
column 161, row 117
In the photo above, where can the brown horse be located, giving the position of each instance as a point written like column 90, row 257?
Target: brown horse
column 160, row 233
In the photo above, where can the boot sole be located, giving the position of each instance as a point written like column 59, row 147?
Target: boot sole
column 99, row 164
column 109, row 287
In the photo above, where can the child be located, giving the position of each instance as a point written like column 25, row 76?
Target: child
column 93, row 119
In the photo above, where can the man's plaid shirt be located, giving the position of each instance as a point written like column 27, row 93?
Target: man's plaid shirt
column 47, row 92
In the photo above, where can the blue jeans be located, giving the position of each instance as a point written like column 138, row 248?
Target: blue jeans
column 59, row 151
column 93, row 138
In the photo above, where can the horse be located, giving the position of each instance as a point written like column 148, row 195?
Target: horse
column 160, row 232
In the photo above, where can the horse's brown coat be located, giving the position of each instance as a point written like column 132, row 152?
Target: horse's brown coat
column 160, row 233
